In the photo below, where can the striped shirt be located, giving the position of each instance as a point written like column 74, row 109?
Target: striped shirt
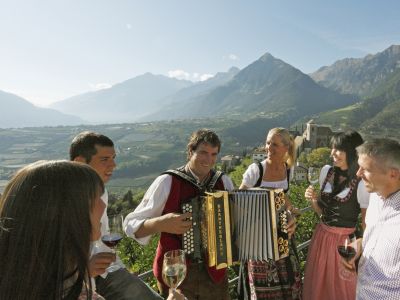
column 379, row 268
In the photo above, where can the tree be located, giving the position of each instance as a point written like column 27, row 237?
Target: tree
column 128, row 198
column 316, row 158
column 319, row 157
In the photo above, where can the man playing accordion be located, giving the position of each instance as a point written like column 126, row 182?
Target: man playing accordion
column 160, row 212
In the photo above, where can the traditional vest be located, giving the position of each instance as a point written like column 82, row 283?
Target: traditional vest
column 183, row 188
column 336, row 211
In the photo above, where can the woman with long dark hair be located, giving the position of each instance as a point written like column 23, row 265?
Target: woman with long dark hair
column 49, row 213
column 341, row 200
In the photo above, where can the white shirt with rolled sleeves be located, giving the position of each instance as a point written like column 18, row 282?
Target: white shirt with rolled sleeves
column 153, row 204
column 379, row 267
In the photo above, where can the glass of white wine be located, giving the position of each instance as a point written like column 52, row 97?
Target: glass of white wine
column 313, row 175
column 174, row 268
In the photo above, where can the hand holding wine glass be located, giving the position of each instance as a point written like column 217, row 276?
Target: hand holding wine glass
column 174, row 268
column 311, row 193
column 113, row 237
column 348, row 251
column 313, row 175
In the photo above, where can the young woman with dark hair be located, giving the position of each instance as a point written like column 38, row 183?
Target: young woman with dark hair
column 343, row 196
column 49, row 213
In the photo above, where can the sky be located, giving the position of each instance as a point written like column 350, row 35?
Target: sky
column 54, row 49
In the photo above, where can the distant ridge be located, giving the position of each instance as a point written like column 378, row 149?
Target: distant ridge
column 359, row 76
column 124, row 102
column 375, row 115
column 267, row 87
column 186, row 94
column 18, row 112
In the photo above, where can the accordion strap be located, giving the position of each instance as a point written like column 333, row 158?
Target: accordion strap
column 211, row 184
column 180, row 172
column 182, row 175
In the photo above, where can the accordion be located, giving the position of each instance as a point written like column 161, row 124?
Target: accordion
column 230, row 227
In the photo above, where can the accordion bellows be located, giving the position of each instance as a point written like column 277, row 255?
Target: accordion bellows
column 236, row 226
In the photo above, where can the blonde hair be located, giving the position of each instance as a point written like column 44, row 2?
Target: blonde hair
column 287, row 140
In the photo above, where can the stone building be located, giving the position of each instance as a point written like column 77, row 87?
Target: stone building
column 229, row 161
column 259, row 154
column 314, row 136
column 300, row 173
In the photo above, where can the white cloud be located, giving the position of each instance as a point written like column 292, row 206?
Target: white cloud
column 128, row 26
column 181, row 74
column 99, row 86
column 204, row 77
column 231, row 57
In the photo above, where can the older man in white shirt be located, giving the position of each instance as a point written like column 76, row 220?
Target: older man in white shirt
column 379, row 267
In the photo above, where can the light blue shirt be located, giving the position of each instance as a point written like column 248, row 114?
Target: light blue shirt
column 379, row 268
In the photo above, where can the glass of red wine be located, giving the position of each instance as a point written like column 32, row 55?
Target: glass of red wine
column 348, row 251
column 113, row 237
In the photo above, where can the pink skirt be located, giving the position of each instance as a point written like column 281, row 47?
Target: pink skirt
column 323, row 268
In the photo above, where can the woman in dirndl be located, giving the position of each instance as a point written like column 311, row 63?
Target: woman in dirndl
column 273, row 279
column 341, row 200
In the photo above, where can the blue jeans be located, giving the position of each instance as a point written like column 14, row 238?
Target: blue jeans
column 122, row 285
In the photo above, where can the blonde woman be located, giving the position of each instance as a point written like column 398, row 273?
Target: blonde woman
column 273, row 279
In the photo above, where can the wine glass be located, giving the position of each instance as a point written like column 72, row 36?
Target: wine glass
column 313, row 175
column 113, row 237
column 174, row 268
column 347, row 250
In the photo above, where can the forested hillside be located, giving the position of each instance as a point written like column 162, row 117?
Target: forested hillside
column 359, row 76
column 377, row 115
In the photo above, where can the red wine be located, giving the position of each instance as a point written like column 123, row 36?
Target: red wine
column 347, row 252
column 111, row 240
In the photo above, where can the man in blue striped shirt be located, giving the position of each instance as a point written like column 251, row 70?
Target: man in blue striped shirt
column 379, row 267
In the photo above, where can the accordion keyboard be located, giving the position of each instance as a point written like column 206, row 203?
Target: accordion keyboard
column 191, row 239
column 188, row 236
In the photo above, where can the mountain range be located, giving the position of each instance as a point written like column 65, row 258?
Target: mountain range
column 375, row 115
column 18, row 112
column 123, row 102
column 359, row 76
column 268, row 90
column 267, row 87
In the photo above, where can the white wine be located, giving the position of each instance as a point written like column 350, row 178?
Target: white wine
column 173, row 275
column 313, row 175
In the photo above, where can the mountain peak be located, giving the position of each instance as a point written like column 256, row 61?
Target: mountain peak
column 267, row 56
column 233, row 70
column 393, row 50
